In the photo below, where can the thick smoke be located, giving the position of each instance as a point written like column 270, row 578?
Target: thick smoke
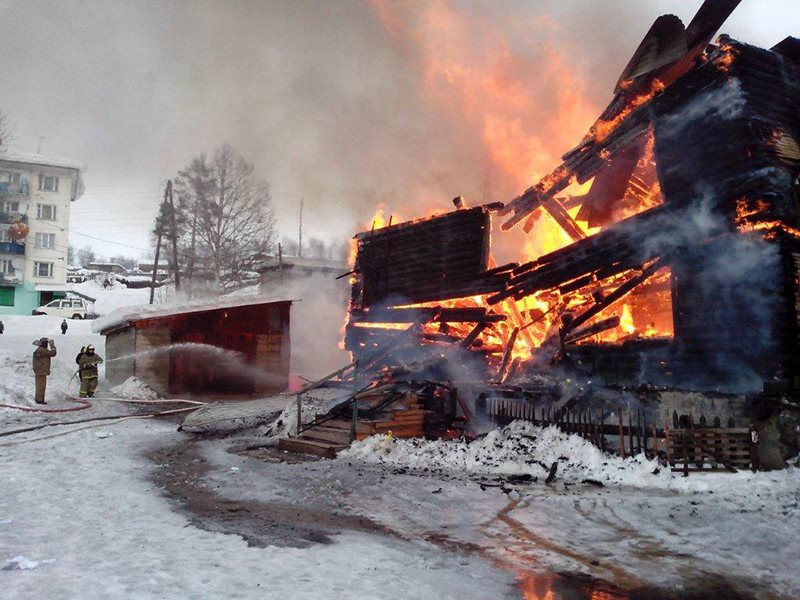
column 317, row 318
column 344, row 104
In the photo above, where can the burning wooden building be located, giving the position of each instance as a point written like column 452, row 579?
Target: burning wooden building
column 684, row 259
column 237, row 347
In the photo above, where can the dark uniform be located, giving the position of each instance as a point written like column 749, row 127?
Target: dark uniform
column 87, row 364
column 41, row 366
column 64, row 327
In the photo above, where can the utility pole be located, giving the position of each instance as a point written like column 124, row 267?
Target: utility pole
column 168, row 194
column 300, row 237
column 155, row 265
column 159, row 233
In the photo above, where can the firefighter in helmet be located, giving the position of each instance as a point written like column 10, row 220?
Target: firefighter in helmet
column 87, row 364
column 41, row 366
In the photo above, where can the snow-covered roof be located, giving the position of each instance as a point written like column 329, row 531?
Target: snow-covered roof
column 40, row 159
column 126, row 315
column 303, row 263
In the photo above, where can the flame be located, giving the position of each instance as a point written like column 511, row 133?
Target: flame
column 602, row 129
column 726, row 56
column 508, row 89
column 521, row 104
column 626, row 320
column 749, row 217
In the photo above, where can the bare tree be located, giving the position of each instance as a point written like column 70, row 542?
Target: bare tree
column 126, row 261
column 85, row 256
column 226, row 216
column 5, row 130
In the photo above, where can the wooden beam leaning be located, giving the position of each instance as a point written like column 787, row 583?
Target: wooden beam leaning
column 563, row 218
column 618, row 293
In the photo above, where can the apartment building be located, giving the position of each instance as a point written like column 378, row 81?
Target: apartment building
column 36, row 193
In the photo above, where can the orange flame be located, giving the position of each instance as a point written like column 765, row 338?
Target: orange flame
column 523, row 104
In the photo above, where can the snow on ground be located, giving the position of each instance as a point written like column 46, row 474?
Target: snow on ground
column 80, row 518
column 646, row 525
column 16, row 353
column 83, row 503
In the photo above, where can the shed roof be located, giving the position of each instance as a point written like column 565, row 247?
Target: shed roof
column 122, row 317
column 322, row 264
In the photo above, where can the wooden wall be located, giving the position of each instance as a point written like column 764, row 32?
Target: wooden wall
column 120, row 362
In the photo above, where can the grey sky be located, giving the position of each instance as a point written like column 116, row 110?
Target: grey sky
column 326, row 102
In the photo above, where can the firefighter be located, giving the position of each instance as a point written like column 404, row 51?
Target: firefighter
column 78, row 360
column 87, row 363
column 41, row 366
column 64, row 327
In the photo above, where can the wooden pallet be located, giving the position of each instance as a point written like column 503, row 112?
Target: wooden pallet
column 327, row 437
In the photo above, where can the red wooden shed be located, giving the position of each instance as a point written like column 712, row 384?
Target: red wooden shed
column 237, row 347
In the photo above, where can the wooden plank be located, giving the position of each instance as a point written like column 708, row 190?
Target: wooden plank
column 304, row 446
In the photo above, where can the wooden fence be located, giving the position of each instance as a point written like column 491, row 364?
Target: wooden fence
column 625, row 431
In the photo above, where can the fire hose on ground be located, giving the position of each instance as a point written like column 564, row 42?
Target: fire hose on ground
column 106, row 420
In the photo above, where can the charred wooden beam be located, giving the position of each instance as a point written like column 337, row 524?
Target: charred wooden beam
column 563, row 218
column 473, row 335
column 599, row 327
column 623, row 246
column 512, row 339
column 431, row 313
column 617, row 294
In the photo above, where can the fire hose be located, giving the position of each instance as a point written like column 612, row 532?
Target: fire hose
column 112, row 421
column 84, row 404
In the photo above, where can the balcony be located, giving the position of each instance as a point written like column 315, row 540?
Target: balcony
column 12, row 217
column 13, row 278
column 12, row 248
column 19, row 189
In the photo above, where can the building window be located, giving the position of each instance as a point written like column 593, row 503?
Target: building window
column 13, row 183
column 43, row 269
column 6, row 296
column 6, row 268
column 4, row 239
column 46, row 211
column 45, row 240
column 48, row 183
column 10, row 207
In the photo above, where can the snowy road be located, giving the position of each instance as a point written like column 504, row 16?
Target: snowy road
column 103, row 513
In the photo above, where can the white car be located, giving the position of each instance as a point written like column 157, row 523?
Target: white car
column 66, row 308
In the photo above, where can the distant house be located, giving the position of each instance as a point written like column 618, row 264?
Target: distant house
column 283, row 269
column 77, row 275
column 36, row 193
column 236, row 346
column 146, row 268
column 104, row 267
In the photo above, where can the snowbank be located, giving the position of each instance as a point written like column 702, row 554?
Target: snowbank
column 524, row 449
column 134, row 389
